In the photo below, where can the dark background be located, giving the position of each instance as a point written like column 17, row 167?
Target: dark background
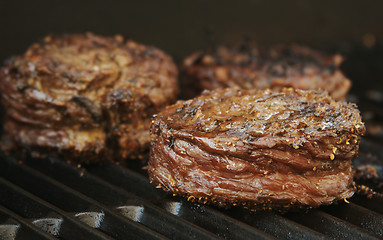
column 354, row 28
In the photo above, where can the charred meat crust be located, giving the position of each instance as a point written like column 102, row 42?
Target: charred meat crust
column 258, row 149
column 85, row 93
column 251, row 67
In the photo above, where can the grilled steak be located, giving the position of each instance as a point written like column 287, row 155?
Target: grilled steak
column 249, row 67
column 85, row 97
column 259, row 149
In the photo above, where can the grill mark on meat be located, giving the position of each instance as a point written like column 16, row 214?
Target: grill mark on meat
column 171, row 142
column 89, row 106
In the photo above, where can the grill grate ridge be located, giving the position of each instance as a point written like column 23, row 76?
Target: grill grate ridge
column 330, row 226
column 54, row 192
column 26, row 229
column 40, row 212
column 359, row 216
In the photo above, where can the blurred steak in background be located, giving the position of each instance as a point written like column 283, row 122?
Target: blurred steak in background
column 84, row 97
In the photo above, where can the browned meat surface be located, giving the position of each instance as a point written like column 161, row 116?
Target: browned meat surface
column 249, row 67
column 368, row 181
column 84, row 96
column 259, row 149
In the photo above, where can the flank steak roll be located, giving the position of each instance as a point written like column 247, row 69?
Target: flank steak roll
column 259, row 149
column 84, row 97
column 250, row 67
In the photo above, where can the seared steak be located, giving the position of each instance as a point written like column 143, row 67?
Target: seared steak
column 85, row 97
column 259, row 149
column 249, row 67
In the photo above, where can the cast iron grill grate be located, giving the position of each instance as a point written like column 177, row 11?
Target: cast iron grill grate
column 49, row 199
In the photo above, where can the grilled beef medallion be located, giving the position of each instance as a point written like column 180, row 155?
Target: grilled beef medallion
column 84, row 96
column 258, row 149
column 248, row 67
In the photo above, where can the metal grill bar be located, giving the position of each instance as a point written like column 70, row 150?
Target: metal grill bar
column 283, row 228
column 128, row 179
column 213, row 220
column 330, row 226
column 25, row 231
column 28, row 206
column 54, row 192
column 360, row 216
column 374, row 204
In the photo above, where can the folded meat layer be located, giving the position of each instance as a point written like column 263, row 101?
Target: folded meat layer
column 260, row 149
column 248, row 66
column 108, row 87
